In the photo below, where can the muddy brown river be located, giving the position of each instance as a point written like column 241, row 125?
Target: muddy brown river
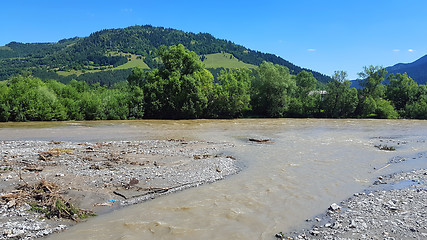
column 308, row 165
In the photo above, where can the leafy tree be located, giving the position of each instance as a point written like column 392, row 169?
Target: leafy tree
column 417, row 110
column 91, row 107
column 272, row 88
column 30, row 99
column 305, row 102
column 305, row 83
column 4, row 102
column 231, row 96
column 136, row 102
column 401, row 90
column 373, row 78
column 373, row 104
column 340, row 100
column 367, row 107
column 384, row 109
column 178, row 88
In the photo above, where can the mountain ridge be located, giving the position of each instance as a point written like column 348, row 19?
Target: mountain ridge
column 98, row 51
column 417, row 69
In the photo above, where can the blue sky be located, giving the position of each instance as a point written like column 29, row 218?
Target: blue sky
column 321, row 35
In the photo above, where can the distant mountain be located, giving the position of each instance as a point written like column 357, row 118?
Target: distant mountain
column 113, row 50
column 416, row 70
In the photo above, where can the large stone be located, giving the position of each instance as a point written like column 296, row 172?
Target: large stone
column 334, row 207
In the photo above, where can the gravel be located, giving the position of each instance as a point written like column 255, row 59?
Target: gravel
column 101, row 176
column 396, row 209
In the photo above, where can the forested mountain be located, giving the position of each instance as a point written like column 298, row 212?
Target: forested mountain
column 417, row 70
column 109, row 49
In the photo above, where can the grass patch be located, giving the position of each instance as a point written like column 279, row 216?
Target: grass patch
column 77, row 72
column 6, row 48
column 60, row 209
column 224, row 60
column 6, row 169
column 133, row 63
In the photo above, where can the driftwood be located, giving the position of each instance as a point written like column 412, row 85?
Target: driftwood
column 259, row 140
column 45, row 198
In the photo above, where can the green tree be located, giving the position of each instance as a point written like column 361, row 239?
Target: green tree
column 115, row 104
column 384, row 109
column 272, row 89
column 340, row 100
column 91, row 107
column 372, row 103
column 305, row 102
column 4, row 102
column 136, row 102
column 305, row 83
column 231, row 95
column 401, row 90
column 418, row 108
column 373, row 77
column 31, row 99
column 178, row 88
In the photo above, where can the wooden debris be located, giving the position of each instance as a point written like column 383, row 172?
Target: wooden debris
column 34, row 169
column 204, row 156
column 259, row 140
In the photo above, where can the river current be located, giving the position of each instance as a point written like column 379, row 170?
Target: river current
column 308, row 165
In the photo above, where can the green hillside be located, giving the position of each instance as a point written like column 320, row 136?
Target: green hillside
column 133, row 61
column 134, row 46
column 224, row 60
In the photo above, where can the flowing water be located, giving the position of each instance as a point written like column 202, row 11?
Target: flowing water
column 308, row 165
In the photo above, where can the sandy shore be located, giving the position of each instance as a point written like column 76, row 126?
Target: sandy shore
column 97, row 177
column 395, row 207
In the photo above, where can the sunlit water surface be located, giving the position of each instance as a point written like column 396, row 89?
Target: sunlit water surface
column 308, row 165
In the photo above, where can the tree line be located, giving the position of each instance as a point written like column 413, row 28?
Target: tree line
column 182, row 88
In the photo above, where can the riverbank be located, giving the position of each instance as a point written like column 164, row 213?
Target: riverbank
column 395, row 207
column 96, row 178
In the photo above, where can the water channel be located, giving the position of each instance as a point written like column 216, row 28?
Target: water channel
column 308, row 165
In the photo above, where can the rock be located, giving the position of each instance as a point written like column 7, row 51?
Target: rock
column 280, row 235
column 7, row 232
column 379, row 181
column 11, row 203
column 336, row 225
column 334, row 207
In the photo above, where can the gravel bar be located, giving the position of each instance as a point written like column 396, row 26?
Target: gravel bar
column 395, row 207
column 101, row 177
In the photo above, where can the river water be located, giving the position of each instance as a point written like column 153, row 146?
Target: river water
column 308, row 165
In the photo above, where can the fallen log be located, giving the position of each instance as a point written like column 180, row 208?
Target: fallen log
column 259, row 140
